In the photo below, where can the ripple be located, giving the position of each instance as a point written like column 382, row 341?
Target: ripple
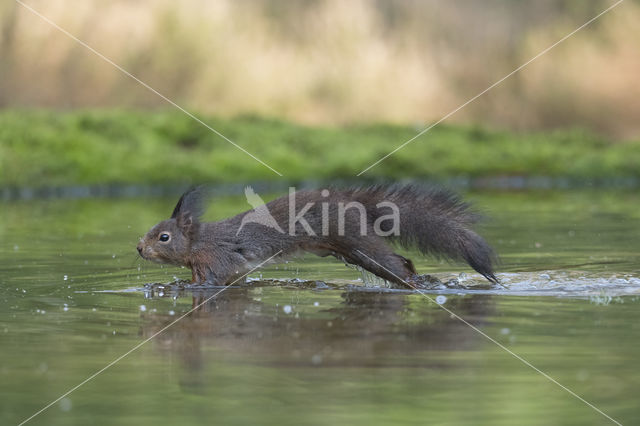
column 544, row 283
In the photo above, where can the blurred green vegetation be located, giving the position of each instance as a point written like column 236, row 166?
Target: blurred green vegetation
column 46, row 148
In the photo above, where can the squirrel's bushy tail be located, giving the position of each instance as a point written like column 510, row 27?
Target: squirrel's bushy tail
column 434, row 220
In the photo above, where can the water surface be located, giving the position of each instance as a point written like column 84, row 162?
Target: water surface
column 306, row 342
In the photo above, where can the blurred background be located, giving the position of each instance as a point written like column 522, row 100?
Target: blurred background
column 289, row 70
column 329, row 61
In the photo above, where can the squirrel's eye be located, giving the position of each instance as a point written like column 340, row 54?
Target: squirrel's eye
column 164, row 237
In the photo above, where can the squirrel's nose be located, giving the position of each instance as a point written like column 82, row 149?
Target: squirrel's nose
column 139, row 248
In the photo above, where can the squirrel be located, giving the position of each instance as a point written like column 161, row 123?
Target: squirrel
column 352, row 224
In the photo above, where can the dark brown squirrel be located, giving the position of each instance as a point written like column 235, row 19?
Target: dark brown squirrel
column 352, row 225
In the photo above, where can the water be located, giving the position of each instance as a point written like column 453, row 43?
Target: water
column 306, row 342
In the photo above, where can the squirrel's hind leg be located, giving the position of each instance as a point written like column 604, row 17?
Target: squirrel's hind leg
column 381, row 261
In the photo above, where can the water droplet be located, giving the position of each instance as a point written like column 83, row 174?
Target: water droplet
column 143, row 308
column 287, row 309
column 441, row 300
column 65, row 404
column 316, row 304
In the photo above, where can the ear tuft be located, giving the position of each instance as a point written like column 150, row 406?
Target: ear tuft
column 191, row 202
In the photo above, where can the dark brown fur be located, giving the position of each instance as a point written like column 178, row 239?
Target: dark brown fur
column 433, row 220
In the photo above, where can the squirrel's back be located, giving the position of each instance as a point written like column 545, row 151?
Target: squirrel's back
column 434, row 220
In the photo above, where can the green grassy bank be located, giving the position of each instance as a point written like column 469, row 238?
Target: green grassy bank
column 47, row 148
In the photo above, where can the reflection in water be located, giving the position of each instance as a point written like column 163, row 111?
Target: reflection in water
column 71, row 303
column 365, row 329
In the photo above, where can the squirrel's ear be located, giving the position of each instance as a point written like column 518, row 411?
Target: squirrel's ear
column 191, row 202
column 185, row 222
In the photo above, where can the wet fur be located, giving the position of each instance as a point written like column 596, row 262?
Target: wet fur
column 435, row 221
